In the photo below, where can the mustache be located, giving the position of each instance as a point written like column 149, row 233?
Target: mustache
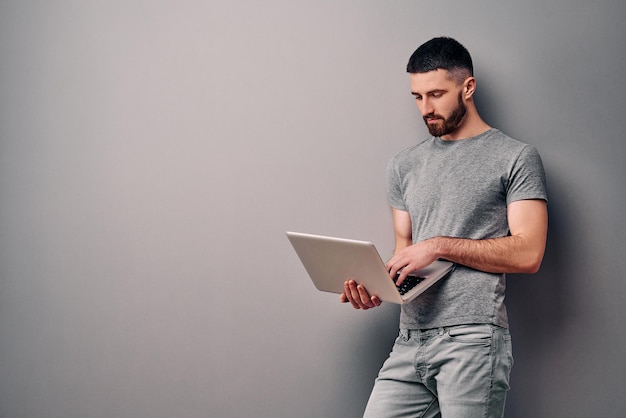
column 432, row 116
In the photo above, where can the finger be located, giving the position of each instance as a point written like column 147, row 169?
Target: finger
column 345, row 296
column 368, row 301
column 353, row 294
column 357, row 295
column 402, row 275
column 396, row 268
column 364, row 298
column 393, row 259
column 396, row 262
column 399, row 279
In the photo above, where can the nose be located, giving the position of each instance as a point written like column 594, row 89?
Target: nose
column 425, row 106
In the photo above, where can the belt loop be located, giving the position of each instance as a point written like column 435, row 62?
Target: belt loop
column 405, row 333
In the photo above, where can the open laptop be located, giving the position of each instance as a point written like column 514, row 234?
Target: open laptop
column 331, row 261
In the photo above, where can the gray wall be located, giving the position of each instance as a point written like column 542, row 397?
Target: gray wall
column 152, row 154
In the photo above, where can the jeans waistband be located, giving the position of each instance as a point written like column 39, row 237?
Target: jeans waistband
column 429, row 332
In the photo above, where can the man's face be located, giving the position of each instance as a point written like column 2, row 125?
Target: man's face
column 440, row 101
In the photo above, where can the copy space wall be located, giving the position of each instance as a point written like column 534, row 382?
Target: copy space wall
column 152, row 155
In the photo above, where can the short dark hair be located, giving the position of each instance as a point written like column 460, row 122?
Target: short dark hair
column 441, row 53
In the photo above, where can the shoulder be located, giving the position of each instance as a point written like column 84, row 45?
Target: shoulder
column 498, row 138
column 503, row 147
column 410, row 153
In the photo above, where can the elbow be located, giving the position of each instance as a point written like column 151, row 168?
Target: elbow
column 533, row 269
column 531, row 264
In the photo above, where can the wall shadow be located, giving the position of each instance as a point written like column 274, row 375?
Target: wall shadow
column 539, row 307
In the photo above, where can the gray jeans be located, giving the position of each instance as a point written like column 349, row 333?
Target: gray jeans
column 453, row 372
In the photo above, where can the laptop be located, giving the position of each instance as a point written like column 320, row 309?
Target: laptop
column 331, row 261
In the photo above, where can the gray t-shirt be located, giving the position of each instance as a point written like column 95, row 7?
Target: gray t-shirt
column 461, row 189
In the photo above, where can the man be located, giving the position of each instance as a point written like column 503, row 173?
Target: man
column 476, row 197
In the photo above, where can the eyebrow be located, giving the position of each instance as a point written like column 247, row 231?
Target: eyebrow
column 414, row 93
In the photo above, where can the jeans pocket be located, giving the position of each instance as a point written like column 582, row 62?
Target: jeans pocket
column 403, row 336
column 470, row 334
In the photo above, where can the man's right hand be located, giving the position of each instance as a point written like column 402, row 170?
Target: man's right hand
column 358, row 296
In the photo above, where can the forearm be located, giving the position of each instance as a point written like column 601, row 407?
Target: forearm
column 519, row 252
column 511, row 254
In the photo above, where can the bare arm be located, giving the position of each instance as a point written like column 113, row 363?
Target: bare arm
column 403, row 230
column 521, row 252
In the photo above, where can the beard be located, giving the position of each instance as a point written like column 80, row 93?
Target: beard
column 446, row 126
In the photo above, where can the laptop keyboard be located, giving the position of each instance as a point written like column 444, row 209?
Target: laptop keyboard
column 409, row 283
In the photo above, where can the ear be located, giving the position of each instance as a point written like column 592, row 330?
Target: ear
column 469, row 87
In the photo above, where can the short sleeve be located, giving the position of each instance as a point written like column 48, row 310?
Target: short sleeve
column 527, row 178
column 395, row 195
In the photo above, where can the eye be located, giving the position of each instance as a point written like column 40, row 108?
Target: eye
column 417, row 97
column 436, row 94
